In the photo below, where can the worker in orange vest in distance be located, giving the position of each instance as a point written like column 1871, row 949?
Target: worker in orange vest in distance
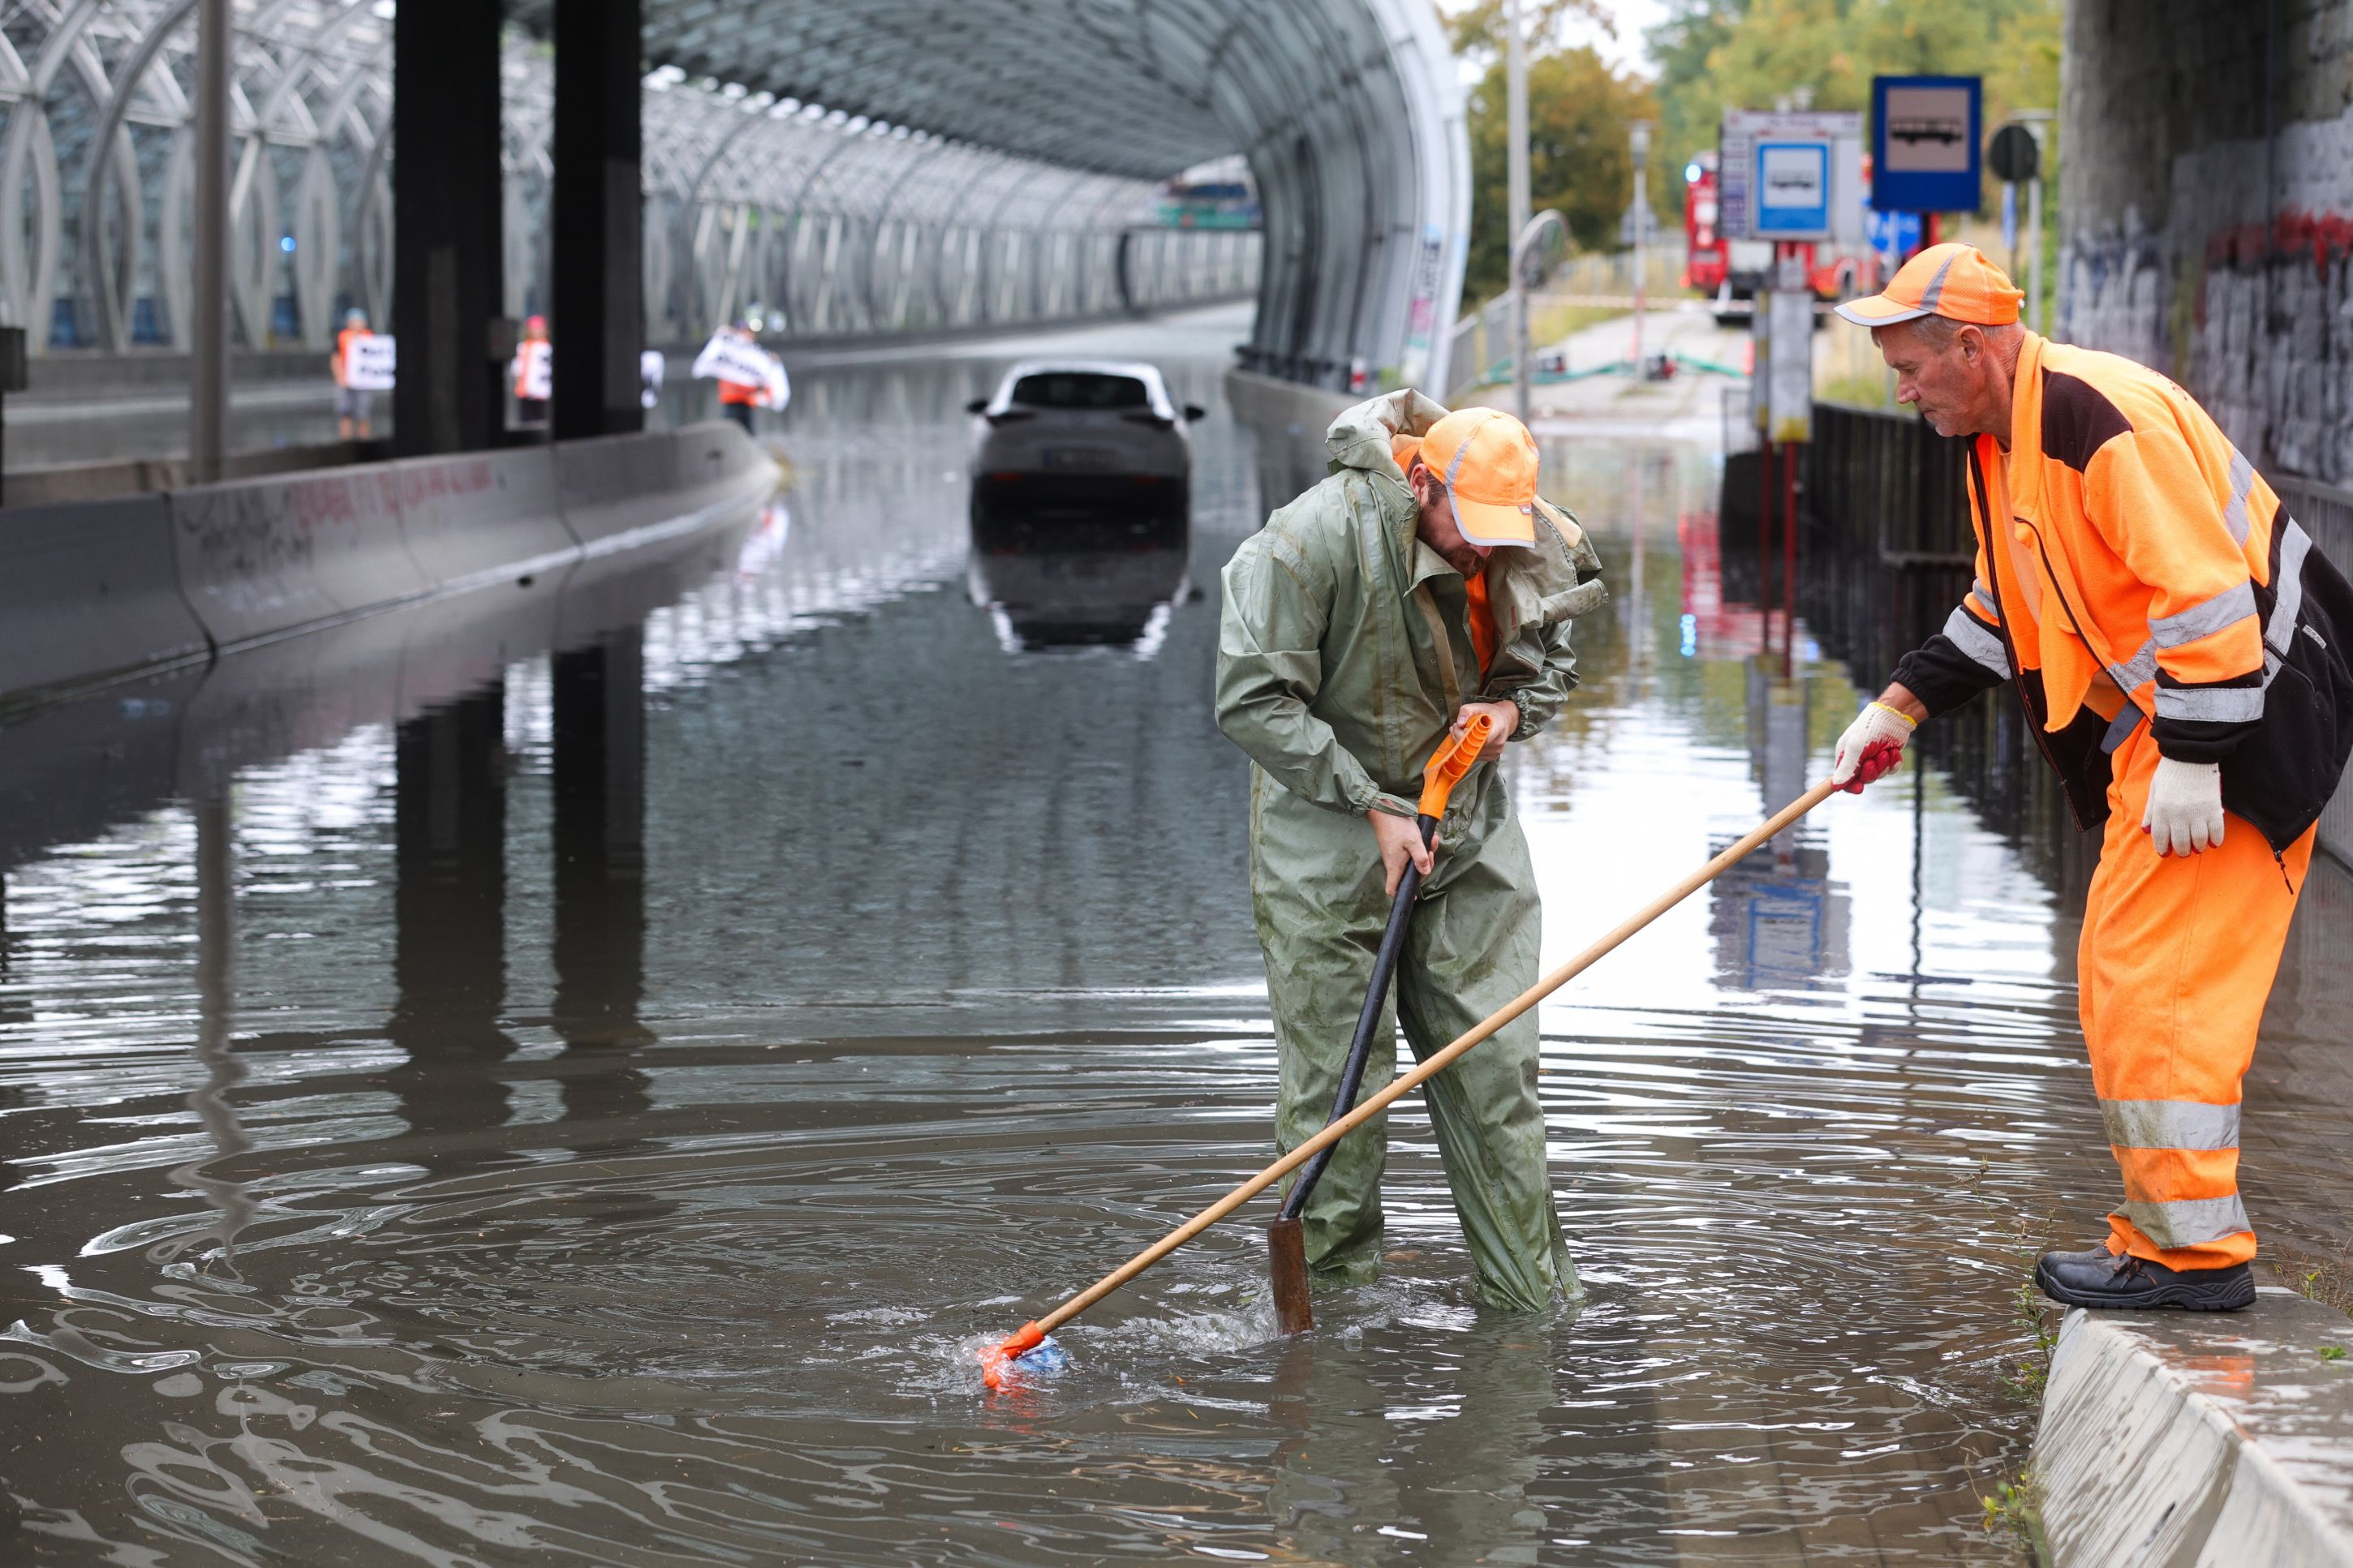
column 534, row 372
column 351, row 402
column 749, row 376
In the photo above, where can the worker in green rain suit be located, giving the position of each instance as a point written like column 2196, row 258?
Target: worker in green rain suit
column 1422, row 578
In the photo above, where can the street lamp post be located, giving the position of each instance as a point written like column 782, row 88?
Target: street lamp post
column 1516, row 161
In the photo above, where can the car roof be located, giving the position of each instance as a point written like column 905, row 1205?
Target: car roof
column 1140, row 370
column 1137, row 369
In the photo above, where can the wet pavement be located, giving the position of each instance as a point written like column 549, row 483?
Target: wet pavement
column 595, row 1119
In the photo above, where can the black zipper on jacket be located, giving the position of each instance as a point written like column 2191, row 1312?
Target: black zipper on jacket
column 2034, row 722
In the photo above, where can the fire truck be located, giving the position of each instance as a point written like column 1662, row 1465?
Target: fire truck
column 1734, row 270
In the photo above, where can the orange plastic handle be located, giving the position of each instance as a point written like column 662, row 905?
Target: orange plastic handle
column 1022, row 1340
column 1450, row 762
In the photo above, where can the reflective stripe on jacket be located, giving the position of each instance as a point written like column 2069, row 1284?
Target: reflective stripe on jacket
column 2133, row 567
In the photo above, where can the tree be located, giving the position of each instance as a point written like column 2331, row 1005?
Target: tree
column 1578, row 160
column 1715, row 55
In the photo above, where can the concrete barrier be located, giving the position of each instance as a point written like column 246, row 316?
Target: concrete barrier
column 2183, row 1438
column 615, row 485
column 96, row 591
column 489, row 517
column 88, row 592
column 625, row 491
column 262, row 557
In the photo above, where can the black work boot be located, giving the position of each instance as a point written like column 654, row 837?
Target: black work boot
column 2099, row 1279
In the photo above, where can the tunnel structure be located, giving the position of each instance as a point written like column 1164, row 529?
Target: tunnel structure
column 1346, row 112
column 878, row 167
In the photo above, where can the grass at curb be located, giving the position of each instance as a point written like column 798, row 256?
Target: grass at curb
column 2326, row 1277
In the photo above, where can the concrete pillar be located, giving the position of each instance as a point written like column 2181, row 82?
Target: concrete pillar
column 208, row 299
column 450, row 916
column 445, row 200
column 600, row 891
column 598, row 319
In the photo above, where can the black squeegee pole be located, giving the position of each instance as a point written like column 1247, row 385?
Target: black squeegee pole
column 1352, row 1073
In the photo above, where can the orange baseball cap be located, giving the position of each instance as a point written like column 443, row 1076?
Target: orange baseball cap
column 1953, row 280
column 1488, row 460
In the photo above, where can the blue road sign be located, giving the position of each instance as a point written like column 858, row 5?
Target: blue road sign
column 1894, row 235
column 1792, row 190
column 1926, row 136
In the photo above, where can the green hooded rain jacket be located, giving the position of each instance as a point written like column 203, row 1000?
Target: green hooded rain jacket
column 1343, row 652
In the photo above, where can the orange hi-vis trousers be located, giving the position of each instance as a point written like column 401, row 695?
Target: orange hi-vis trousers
column 2178, row 955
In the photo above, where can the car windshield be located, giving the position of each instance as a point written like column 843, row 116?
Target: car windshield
column 1080, row 389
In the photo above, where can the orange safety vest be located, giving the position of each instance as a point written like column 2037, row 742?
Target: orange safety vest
column 2132, row 567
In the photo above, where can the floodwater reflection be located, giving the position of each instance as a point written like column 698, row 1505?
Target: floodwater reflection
column 582, row 1077
column 1053, row 580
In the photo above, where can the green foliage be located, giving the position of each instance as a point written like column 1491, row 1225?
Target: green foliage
column 2332, row 1352
column 1715, row 55
column 1578, row 158
column 2015, row 1512
column 2032, row 1312
column 1477, row 30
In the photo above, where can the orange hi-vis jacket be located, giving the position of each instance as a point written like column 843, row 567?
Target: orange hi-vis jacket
column 2133, row 567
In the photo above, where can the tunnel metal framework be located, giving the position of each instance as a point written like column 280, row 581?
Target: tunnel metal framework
column 873, row 166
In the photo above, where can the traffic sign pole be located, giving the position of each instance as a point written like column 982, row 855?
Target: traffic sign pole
column 1640, row 137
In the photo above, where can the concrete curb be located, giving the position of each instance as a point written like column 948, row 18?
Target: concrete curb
column 2182, row 1439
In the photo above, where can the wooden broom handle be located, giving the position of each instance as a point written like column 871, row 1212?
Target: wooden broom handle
column 1438, row 1060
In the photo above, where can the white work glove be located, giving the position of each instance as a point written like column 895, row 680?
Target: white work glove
column 2185, row 807
column 1872, row 745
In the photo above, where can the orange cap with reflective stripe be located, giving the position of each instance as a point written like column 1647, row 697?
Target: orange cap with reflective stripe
column 1488, row 461
column 1953, row 280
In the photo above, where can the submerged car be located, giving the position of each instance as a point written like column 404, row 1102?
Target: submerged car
column 1085, row 443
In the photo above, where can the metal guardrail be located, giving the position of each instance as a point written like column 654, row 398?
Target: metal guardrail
column 1889, row 484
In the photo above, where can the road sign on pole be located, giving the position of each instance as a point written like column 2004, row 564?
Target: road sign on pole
column 1792, row 188
column 1926, row 131
column 1740, row 192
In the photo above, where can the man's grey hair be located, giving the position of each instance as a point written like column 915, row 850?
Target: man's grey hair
column 1938, row 333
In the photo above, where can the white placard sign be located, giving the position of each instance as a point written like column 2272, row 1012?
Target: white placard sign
column 535, row 370
column 369, row 363
column 727, row 357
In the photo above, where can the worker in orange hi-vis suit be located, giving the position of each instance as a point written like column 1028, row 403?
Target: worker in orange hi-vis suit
column 352, row 421
column 2179, row 644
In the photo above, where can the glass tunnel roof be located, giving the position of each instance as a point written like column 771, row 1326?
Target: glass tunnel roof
column 1346, row 110
column 940, row 140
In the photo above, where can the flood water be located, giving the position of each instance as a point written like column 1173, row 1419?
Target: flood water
column 589, row 1106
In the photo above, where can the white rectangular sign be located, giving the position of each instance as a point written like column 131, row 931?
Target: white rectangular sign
column 1737, row 154
column 1789, row 374
column 369, row 363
